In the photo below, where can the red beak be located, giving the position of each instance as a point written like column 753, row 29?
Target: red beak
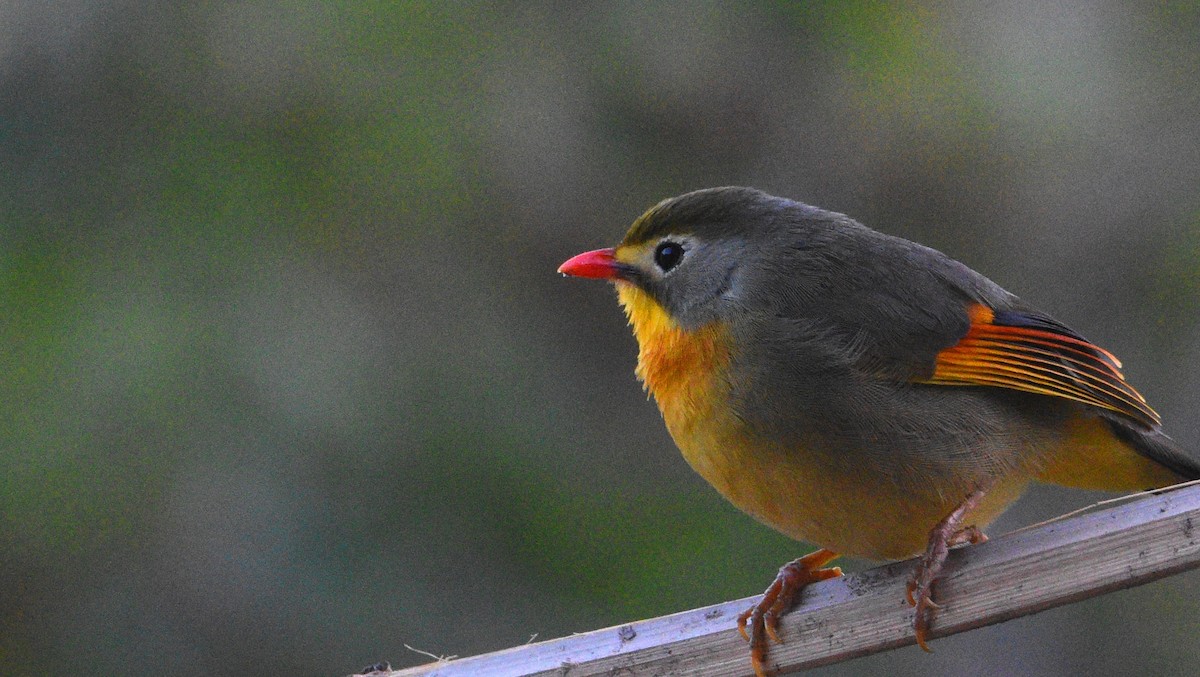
column 600, row 264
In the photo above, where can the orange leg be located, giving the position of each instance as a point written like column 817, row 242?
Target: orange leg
column 778, row 598
column 945, row 534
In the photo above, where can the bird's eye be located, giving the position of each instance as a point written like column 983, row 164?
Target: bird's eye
column 667, row 255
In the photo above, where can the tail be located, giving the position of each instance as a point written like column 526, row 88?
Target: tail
column 1109, row 452
column 1156, row 446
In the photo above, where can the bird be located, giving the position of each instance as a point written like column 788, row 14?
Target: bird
column 862, row 392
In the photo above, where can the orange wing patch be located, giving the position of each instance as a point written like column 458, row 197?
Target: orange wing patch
column 1038, row 355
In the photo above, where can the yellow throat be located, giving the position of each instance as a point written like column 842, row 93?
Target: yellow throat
column 680, row 368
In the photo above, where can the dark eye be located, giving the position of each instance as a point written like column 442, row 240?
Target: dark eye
column 667, row 255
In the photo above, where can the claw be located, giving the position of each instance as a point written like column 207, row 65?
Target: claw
column 919, row 630
column 944, row 535
column 763, row 618
column 742, row 626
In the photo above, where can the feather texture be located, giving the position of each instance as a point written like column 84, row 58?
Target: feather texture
column 1011, row 349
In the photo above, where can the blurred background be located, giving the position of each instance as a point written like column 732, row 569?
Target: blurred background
column 290, row 382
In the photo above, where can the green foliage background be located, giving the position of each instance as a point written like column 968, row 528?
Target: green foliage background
column 289, row 381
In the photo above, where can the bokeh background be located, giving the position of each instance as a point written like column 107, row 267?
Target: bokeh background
column 289, row 381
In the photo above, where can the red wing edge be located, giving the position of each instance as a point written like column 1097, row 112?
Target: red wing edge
column 1038, row 355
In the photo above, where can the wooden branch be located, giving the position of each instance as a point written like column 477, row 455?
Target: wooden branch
column 1021, row 573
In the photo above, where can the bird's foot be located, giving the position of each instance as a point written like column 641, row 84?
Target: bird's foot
column 763, row 618
column 945, row 535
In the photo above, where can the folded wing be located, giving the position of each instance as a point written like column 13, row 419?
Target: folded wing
column 1025, row 351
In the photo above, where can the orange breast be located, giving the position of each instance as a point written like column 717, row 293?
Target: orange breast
column 678, row 367
column 788, row 488
column 684, row 371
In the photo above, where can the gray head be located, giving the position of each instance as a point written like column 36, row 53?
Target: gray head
column 697, row 254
